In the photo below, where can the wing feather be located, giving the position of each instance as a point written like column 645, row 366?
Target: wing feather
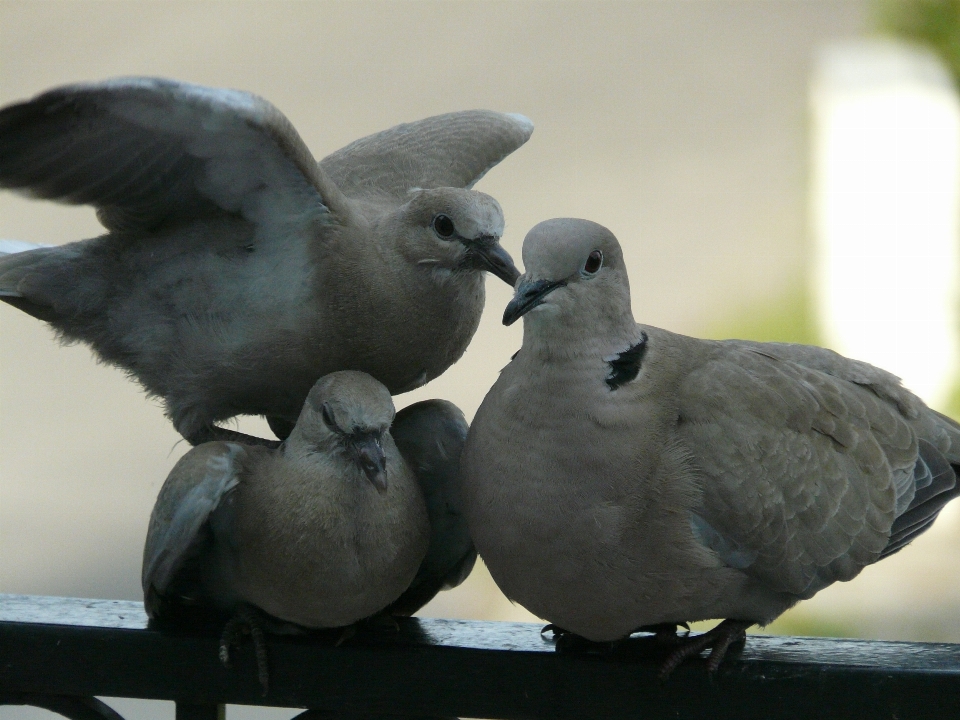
column 145, row 151
column 430, row 436
column 451, row 150
column 806, row 462
column 193, row 490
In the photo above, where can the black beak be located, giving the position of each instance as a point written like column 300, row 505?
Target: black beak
column 527, row 297
column 372, row 460
column 486, row 253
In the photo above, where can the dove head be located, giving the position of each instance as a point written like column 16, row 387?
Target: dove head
column 347, row 416
column 456, row 231
column 575, row 278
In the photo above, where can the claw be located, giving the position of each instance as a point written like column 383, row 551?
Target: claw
column 555, row 629
column 246, row 620
column 719, row 640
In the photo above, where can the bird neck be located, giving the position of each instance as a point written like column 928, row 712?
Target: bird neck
column 599, row 334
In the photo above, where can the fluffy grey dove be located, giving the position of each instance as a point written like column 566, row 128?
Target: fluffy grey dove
column 430, row 436
column 236, row 270
column 327, row 530
column 618, row 476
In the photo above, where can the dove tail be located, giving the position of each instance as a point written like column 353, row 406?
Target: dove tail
column 936, row 485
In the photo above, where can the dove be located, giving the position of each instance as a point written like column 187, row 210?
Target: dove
column 619, row 477
column 430, row 436
column 236, row 270
column 326, row 530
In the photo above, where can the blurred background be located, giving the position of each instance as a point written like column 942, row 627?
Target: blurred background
column 723, row 141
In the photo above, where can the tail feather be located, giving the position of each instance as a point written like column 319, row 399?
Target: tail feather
column 937, row 485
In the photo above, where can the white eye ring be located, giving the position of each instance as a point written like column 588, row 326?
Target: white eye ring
column 593, row 264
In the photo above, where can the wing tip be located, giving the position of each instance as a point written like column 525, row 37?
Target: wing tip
column 525, row 123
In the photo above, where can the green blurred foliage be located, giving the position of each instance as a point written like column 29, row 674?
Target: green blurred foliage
column 934, row 23
column 789, row 318
column 796, row 621
column 792, row 318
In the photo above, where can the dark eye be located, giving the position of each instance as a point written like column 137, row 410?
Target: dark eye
column 443, row 226
column 593, row 263
column 327, row 414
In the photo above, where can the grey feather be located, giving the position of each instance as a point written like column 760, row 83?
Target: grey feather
column 430, row 436
column 722, row 479
column 237, row 270
column 178, row 525
column 452, row 150
column 315, row 533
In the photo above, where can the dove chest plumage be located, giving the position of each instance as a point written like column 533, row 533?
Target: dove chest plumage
column 595, row 536
column 708, row 479
column 345, row 558
column 438, row 312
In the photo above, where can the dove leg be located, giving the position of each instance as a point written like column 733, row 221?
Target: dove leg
column 718, row 640
column 246, row 619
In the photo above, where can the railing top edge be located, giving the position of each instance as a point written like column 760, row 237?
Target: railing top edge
column 896, row 656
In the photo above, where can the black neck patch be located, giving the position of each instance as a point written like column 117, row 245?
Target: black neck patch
column 625, row 366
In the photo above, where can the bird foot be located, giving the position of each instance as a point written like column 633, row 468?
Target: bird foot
column 556, row 630
column 246, row 621
column 718, row 640
column 214, row 433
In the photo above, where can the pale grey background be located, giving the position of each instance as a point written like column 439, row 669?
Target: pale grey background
column 680, row 125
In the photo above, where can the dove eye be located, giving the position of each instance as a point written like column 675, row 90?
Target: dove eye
column 594, row 263
column 327, row 415
column 443, row 226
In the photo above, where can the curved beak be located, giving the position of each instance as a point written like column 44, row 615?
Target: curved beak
column 486, row 253
column 372, row 460
column 529, row 294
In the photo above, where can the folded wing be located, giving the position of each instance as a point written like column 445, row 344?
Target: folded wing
column 179, row 525
column 813, row 467
column 430, row 436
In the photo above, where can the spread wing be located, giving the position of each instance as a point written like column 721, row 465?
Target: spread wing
column 452, row 150
column 814, row 466
column 178, row 527
column 430, row 436
column 145, row 151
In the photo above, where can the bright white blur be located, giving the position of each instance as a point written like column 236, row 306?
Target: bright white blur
column 886, row 184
